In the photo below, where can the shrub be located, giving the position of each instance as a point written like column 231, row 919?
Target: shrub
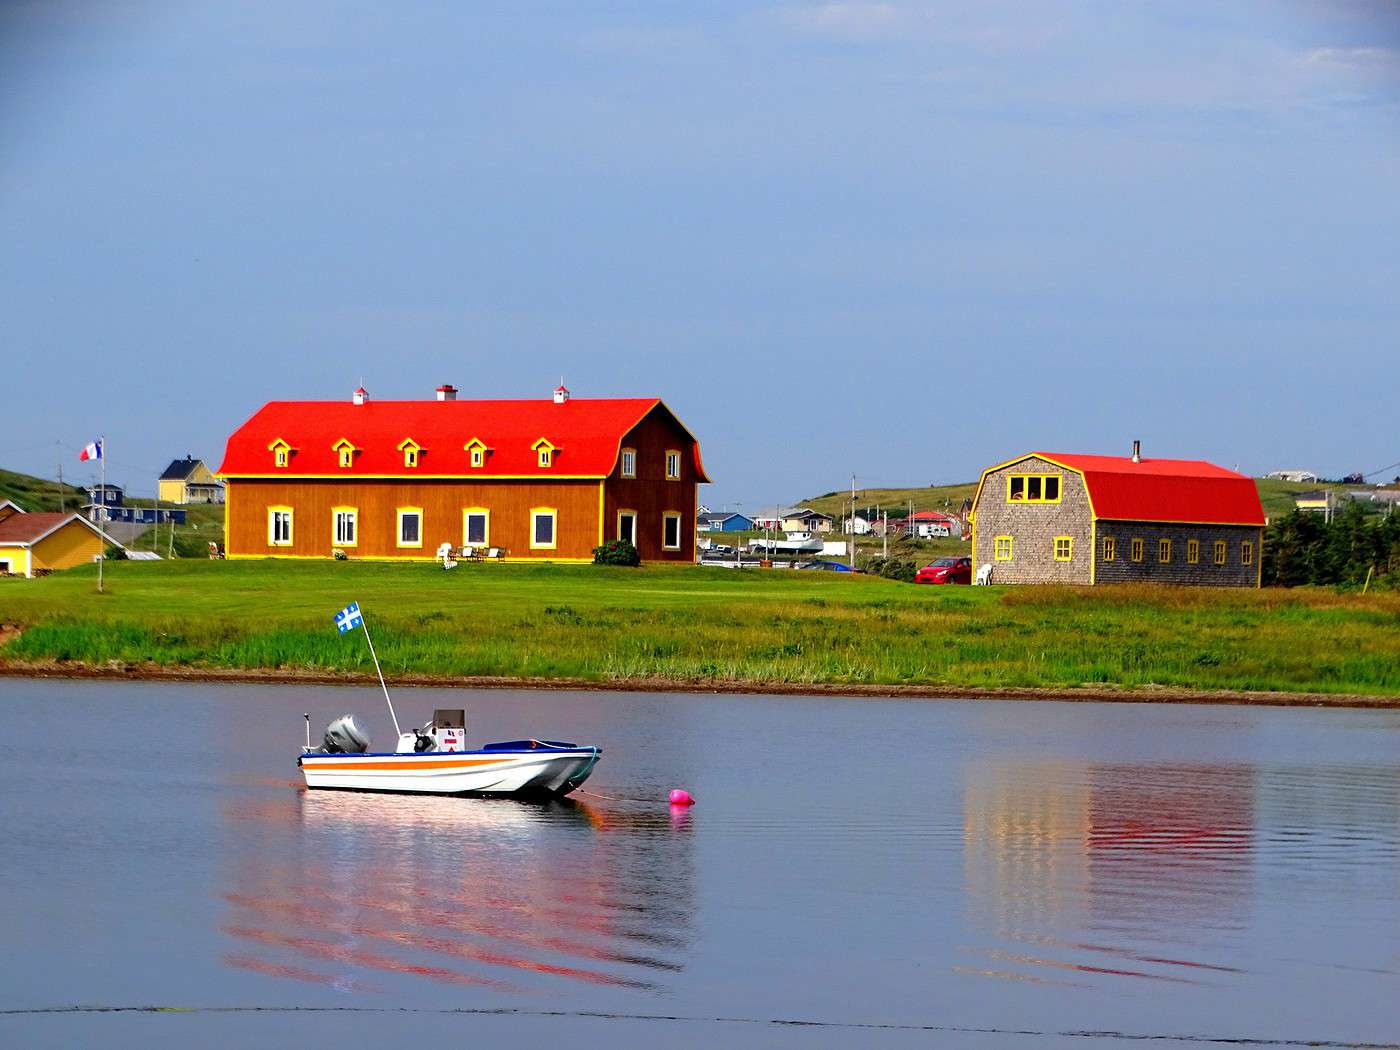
column 114, row 553
column 616, row 552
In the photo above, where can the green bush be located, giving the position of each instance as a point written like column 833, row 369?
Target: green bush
column 114, row 553
column 893, row 569
column 616, row 552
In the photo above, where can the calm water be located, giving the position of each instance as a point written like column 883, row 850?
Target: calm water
column 965, row 874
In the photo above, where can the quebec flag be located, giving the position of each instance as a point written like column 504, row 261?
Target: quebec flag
column 348, row 618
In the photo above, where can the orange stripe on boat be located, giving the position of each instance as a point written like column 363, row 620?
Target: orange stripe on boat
column 411, row 765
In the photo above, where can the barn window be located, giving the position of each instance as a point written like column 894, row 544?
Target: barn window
column 1219, row 552
column 546, row 457
column 1193, row 551
column 410, row 532
column 1110, row 548
column 629, row 462
column 543, row 534
column 1064, row 548
column 671, row 531
column 279, row 526
column 476, row 527
column 627, row 526
column 1164, row 551
column 673, row 465
column 345, row 452
column 1002, row 550
column 1135, row 549
column 1246, row 553
column 281, row 457
column 1033, row 488
column 346, row 526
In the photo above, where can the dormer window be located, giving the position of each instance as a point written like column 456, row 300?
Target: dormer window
column 629, row 462
column 476, row 452
column 545, row 451
column 281, row 453
column 411, row 451
column 345, row 452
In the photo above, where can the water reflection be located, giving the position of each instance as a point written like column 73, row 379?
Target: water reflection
column 1135, row 856
column 337, row 888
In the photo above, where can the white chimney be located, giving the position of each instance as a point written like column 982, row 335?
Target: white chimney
column 1137, row 451
column 360, row 396
column 561, row 393
column 447, row 392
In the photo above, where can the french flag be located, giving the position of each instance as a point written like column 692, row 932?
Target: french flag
column 91, row 451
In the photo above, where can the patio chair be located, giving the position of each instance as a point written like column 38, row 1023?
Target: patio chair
column 984, row 575
column 444, row 553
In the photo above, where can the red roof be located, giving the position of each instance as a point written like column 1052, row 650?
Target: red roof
column 586, row 433
column 1185, row 490
column 26, row 528
column 930, row 515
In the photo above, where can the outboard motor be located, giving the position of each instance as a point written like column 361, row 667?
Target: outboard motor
column 344, row 737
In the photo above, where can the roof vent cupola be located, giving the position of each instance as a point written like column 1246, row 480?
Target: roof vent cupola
column 447, row 392
column 561, row 393
column 360, row 396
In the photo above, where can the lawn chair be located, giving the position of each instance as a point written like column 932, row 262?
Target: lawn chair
column 444, row 553
column 496, row 553
column 215, row 551
column 984, row 576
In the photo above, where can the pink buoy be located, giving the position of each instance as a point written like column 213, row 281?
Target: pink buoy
column 681, row 797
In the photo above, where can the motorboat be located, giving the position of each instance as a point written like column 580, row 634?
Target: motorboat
column 435, row 760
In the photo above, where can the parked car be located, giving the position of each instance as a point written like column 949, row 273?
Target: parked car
column 946, row 570
column 828, row 566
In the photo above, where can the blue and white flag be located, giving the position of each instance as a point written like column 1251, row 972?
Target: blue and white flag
column 348, row 618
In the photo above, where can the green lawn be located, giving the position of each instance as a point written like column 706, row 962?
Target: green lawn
column 708, row 625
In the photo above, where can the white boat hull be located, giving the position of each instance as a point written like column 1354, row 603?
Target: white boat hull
column 547, row 771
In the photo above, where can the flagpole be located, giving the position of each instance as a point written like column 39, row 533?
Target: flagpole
column 365, row 624
column 102, row 502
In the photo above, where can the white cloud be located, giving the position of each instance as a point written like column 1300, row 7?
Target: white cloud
column 1381, row 60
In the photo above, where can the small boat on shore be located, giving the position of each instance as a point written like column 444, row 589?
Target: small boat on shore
column 435, row 761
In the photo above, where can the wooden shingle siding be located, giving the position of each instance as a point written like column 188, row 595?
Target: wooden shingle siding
column 1033, row 528
column 1234, row 573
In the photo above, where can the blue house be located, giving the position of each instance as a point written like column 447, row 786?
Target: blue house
column 724, row 522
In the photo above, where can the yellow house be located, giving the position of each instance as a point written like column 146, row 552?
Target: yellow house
column 188, row 480
column 39, row 543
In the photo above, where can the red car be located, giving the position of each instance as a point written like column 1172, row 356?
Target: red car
column 946, row 570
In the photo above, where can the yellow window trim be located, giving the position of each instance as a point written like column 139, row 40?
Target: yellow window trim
column 335, row 511
column 1110, row 548
column 1246, row 552
column 635, row 518
column 667, row 515
column 677, row 475
column 553, row 513
column 545, row 449
column 1193, row 552
column 623, row 471
column 399, row 513
column 1010, row 548
column 485, row 541
column 477, row 449
column 1068, row 542
column 1136, row 549
column 291, row 525
column 281, row 452
column 1164, row 551
column 1220, row 552
column 1025, row 488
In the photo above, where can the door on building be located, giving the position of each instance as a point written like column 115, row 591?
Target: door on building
column 627, row 526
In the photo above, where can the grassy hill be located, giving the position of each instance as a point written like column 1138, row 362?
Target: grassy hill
column 38, row 494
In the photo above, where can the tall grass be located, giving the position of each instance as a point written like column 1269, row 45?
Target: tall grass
column 715, row 626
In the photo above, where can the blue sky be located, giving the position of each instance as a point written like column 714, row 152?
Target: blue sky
column 891, row 239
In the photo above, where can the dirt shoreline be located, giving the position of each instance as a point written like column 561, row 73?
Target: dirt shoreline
column 1137, row 695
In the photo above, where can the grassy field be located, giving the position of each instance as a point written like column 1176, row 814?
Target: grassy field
column 942, row 498
column 38, row 494
column 701, row 625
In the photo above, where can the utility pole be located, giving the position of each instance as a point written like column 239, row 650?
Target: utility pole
column 62, row 503
column 851, row 551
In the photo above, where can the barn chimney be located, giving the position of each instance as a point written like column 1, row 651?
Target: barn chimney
column 447, row 392
column 360, row 396
column 1137, row 451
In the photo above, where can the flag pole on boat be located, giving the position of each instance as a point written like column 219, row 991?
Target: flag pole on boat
column 347, row 620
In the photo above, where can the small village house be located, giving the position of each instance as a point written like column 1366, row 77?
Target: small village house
column 725, row 521
column 856, row 525
column 36, row 544
column 188, row 480
column 804, row 519
column 929, row 524
column 1046, row 517
column 546, row 479
column 102, row 499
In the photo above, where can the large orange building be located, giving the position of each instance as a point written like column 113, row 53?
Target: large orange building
column 543, row 480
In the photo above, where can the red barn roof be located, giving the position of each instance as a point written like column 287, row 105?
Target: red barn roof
column 586, row 434
column 1185, row 490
